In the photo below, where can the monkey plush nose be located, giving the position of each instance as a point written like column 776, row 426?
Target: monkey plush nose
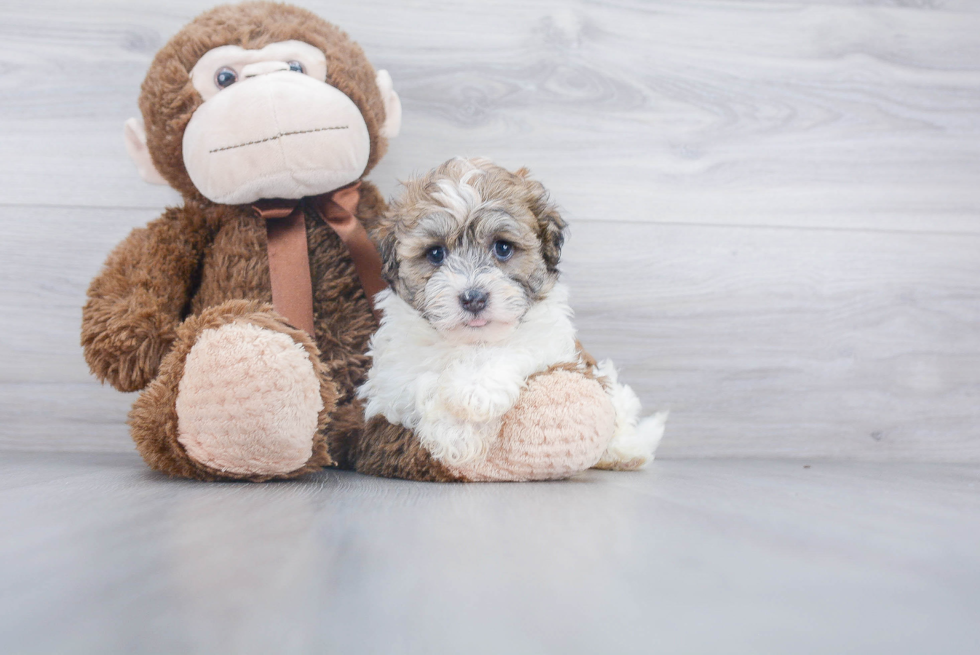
column 473, row 300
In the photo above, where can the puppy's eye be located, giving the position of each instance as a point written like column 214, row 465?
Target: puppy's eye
column 502, row 250
column 296, row 67
column 225, row 77
column 436, row 254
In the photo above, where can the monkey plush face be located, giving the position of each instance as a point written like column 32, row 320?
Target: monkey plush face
column 270, row 126
column 265, row 101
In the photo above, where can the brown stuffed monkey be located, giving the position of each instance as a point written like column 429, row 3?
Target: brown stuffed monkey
column 244, row 315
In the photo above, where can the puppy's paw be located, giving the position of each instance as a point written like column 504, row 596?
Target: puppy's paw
column 454, row 442
column 476, row 403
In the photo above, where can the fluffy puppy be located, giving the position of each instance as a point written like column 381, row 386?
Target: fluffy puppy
column 471, row 252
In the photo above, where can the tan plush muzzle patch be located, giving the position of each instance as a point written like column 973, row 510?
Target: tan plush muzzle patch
column 277, row 135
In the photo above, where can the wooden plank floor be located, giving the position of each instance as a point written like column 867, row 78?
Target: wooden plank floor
column 100, row 555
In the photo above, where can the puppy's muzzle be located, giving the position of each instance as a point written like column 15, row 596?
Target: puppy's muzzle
column 474, row 300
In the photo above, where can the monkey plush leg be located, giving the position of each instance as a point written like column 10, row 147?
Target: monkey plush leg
column 240, row 396
column 560, row 426
column 393, row 451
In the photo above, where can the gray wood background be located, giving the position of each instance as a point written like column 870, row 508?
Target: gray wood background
column 775, row 206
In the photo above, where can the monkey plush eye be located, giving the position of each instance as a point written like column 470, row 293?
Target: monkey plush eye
column 502, row 250
column 435, row 255
column 296, row 67
column 225, row 77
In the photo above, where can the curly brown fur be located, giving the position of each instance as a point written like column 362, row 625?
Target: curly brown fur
column 153, row 419
column 135, row 304
column 234, row 266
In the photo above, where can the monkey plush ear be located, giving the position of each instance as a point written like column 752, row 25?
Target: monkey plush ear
column 393, row 106
column 135, row 136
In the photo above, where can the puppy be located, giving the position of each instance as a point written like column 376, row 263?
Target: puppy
column 475, row 307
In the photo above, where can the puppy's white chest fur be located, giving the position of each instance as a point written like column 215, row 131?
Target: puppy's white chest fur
column 452, row 394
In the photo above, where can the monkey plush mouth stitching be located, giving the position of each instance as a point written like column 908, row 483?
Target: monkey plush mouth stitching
column 278, row 136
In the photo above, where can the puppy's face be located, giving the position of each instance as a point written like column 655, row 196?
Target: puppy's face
column 471, row 246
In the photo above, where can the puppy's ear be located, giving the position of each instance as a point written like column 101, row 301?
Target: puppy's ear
column 384, row 237
column 551, row 226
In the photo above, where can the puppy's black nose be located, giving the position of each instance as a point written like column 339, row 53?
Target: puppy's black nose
column 473, row 300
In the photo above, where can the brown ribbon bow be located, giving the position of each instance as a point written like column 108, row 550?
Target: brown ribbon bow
column 289, row 256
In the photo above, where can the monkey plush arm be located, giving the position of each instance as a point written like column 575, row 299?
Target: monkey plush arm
column 138, row 299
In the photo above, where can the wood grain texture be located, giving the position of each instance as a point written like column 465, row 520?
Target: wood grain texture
column 695, row 556
column 774, row 205
column 720, row 112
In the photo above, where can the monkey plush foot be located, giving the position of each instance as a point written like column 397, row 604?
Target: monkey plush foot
column 249, row 401
column 561, row 425
column 241, row 396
